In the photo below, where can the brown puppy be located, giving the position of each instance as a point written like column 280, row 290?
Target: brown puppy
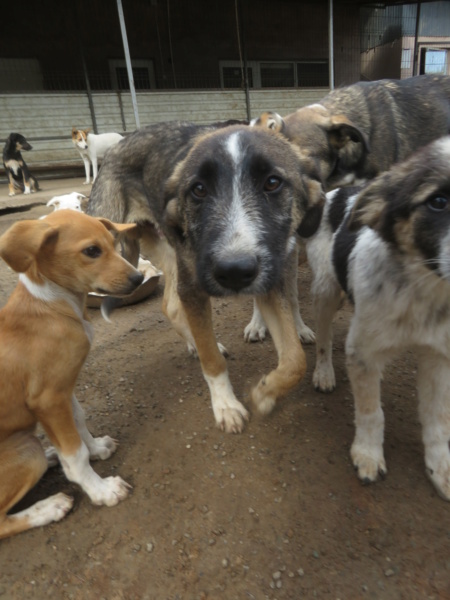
column 45, row 338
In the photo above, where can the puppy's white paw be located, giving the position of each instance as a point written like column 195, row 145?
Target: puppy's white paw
column 86, row 182
column 255, row 331
column 368, row 461
column 306, row 334
column 323, row 378
column 49, row 510
column 102, row 448
column 12, row 194
column 110, row 491
column 231, row 418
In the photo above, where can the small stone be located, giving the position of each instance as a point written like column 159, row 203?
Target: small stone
column 149, row 547
column 225, row 563
column 389, row 572
column 276, row 575
column 300, row 572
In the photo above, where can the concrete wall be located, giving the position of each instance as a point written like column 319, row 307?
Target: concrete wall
column 46, row 119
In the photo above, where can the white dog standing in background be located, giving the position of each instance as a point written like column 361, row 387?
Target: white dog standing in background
column 92, row 147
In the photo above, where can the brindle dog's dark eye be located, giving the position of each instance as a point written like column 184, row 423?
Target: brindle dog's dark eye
column 437, row 203
column 272, row 184
column 92, row 251
column 199, row 191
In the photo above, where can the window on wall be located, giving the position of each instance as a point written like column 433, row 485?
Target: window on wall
column 143, row 74
column 275, row 74
column 436, row 61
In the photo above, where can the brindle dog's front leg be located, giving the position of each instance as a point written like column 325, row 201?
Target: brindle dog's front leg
column 229, row 413
column 277, row 313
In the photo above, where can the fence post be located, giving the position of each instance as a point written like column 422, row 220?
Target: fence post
column 128, row 62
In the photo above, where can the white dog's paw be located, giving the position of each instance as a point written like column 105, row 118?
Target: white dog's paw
column 438, row 470
column 86, row 182
column 323, row 378
column 52, row 456
column 306, row 334
column 49, row 510
column 102, row 448
column 110, row 491
column 12, row 194
column 231, row 417
column 369, row 462
column 255, row 331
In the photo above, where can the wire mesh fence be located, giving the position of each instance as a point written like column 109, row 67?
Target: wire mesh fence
column 225, row 45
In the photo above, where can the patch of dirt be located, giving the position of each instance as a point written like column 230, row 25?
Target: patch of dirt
column 275, row 512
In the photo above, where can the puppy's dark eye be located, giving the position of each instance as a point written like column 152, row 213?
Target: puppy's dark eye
column 199, row 191
column 272, row 184
column 92, row 251
column 437, row 203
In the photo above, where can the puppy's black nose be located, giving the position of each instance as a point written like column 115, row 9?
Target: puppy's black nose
column 136, row 278
column 236, row 274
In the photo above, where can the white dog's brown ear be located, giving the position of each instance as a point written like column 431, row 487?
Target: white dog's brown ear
column 20, row 245
column 368, row 209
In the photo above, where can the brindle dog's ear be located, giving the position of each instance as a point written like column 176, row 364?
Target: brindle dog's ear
column 342, row 131
column 369, row 208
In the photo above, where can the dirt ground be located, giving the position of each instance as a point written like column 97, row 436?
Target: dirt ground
column 273, row 513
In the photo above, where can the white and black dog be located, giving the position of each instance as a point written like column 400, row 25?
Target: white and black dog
column 388, row 248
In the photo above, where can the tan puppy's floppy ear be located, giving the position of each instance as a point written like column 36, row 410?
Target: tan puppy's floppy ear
column 369, row 208
column 20, row 245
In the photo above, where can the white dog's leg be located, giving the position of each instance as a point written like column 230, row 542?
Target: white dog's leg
column 256, row 330
column 87, row 169
column 365, row 376
column 108, row 491
column 433, row 385
column 94, row 168
column 99, row 448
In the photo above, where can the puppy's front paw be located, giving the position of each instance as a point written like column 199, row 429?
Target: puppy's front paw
column 102, row 448
column 231, row 417
column 111, row 491
column 12, row 194
column 264, row 402
column 369, row 462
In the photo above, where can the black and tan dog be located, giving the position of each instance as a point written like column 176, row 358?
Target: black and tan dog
column 223, row 221
column 358, row 131
column 19, row 175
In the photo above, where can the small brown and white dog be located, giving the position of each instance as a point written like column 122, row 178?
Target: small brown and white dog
column 388, row 248
column 92, row 147
column 45, row 337
column 74, row 200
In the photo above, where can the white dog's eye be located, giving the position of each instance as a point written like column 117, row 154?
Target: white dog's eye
column 437, row 203
column 272, row 184
column 92, row 251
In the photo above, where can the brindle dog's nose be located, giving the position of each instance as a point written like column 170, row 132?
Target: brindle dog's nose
column 236, row 274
